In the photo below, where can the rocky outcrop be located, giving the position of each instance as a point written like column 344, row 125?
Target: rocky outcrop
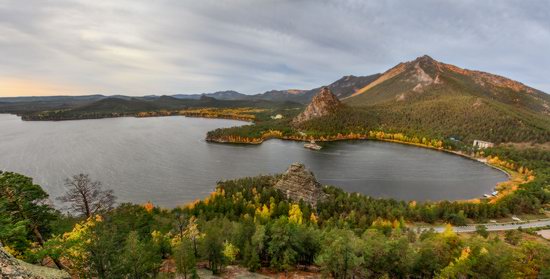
column 13, row 268
column 298, row 183
column 324, row 103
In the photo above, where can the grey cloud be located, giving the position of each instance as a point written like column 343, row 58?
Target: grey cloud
column 168, row 46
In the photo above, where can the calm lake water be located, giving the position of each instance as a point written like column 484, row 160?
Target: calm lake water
column 165, row 160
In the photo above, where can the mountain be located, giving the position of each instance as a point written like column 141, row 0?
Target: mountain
column 295, row 95
column 349, row 85
column 341, row 88
column 323, row 103
column 424, row 77
column 431, row 97
column 220, row 95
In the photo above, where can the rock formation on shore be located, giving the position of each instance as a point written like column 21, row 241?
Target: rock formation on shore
column 298, row 183
column 324, row 103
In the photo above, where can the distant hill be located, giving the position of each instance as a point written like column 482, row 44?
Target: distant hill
column 116, row 106
column 220, row 95
column 51, row 98
column 348, row 85
column 295, row 95
column 21, row 105
column 341, row 88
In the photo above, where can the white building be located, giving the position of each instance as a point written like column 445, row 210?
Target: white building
column 483, row 144
column 278, row 116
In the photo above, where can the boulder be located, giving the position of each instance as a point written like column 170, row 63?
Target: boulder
column 11, row 267
column 298, row 183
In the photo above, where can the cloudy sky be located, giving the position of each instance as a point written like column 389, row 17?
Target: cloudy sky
column 133, row 47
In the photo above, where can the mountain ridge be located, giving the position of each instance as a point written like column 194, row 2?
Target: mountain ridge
column 407, row 80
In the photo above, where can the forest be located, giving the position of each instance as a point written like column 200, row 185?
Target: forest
column 249, row 223
column 439, row 119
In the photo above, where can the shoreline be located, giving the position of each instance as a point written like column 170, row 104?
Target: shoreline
column 509, row 174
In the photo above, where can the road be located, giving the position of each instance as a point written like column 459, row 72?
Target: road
column 495, row 227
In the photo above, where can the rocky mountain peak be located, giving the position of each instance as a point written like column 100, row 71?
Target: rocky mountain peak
column 324, row 103
column 425, row 58
column 298, row 183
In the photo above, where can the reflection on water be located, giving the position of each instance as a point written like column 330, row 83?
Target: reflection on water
column 166, row 160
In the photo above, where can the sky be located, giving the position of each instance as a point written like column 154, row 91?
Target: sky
column 143, row 47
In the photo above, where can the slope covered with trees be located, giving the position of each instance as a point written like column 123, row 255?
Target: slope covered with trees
column 165, row 105
column 432, row 97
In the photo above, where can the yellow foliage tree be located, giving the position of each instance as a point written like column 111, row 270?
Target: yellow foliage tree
column 295, row 214
column 263, row 213
column 313, row 218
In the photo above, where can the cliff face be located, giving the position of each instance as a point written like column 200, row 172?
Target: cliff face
column 324, row 103
column 298, row 183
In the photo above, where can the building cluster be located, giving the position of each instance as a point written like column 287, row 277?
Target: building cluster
column 482, row 144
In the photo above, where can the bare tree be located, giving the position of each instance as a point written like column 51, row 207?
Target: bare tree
column 86, row 196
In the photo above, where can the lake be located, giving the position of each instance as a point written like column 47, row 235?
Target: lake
column 165, row 160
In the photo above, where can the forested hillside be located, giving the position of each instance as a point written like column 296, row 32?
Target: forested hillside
column 443, row 100
column 164, row 105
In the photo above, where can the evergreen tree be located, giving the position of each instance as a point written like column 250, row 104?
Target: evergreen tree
column 24, row 210
column 139, row 259
column 340, row 256
column 212, row 246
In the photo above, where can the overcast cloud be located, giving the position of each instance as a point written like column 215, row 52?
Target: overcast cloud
column 172, row 46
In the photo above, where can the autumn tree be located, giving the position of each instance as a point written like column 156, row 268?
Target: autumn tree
column 87, row 197
column 192, row 232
